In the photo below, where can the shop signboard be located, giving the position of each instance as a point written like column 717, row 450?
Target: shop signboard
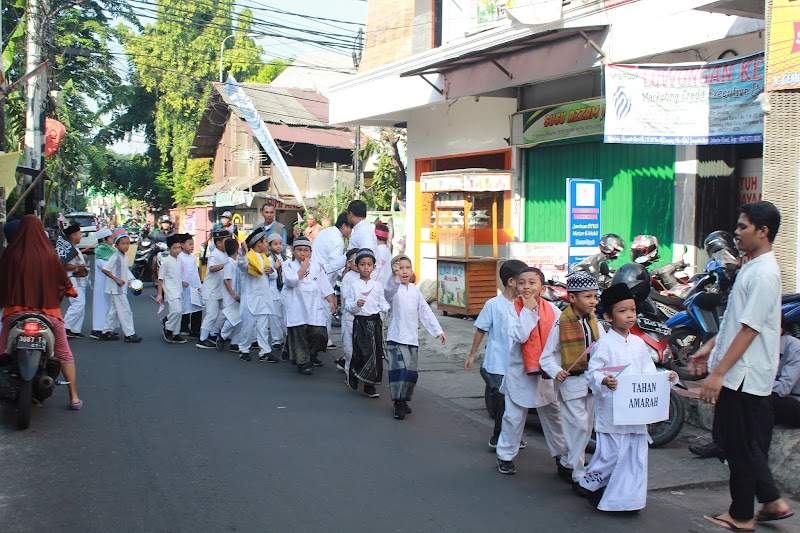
column 583, row 218
column 749, row 174
column 549, row 257
column 465, row 181
column 687, row 103
column 783, row 69
column 554, row 123
column 452, row 286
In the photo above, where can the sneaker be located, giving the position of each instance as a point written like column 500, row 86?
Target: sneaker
column 578, row 490
column 399, row 411
column 522, row 445
column 352, row 382
column 408, row 409
column 133, row 338
column 168, row 336
column 220, row 343
column 340, row 364
column 306, row 369
column 277, row 348
column 493, row 442
column 268, row 358
column 235, row 348
column 114, row 336
column 74, row 334
column 330, row 344
column 207, row 344
column 107, row 336
column 709, row 450
column 245, row 357
column 506, row 467
column 177, row 339
column 316, row 362
column 563, row 472
column 284, row 354
column 370, row 391
column 95, row 334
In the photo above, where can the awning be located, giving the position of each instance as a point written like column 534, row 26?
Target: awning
column 326, row 137
column 460, row 56
column 210, row 193
column 739, row 8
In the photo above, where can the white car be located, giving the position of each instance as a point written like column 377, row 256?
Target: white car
column 88, row 224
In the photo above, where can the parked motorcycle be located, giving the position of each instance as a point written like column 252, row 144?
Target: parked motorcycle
column 597, row 265
column 29, row 373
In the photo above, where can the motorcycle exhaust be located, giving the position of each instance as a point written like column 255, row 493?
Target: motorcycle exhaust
column 46, row 383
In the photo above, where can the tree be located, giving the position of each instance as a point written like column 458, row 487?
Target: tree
column 389, row 178
column 329, row 202
column 269, row 72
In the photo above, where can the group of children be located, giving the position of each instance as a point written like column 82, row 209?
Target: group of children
column 538, row 357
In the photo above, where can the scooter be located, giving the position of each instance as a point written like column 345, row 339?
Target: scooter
column 143, row 260
column 29, row 372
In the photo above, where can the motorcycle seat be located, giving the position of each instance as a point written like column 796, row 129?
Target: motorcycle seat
column 707, row 300
column 790, row 298
column 667, row 300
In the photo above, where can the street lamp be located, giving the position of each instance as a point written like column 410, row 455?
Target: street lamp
column 222, row 52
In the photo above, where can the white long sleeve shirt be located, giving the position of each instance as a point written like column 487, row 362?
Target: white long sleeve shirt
column 408, row 310
column 614, row 350
column 371, row 293
column 255, row 289
column 363, row 236
column 117, row 264
column 171, row 274
column 213, row 285
column 524, row 390
column 302, row 298
column 329, row 250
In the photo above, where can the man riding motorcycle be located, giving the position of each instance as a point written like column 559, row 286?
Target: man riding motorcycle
column 164, row 230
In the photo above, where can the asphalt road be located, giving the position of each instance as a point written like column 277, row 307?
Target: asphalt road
column 174, row 438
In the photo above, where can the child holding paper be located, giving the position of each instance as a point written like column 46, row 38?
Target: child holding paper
column 231, row 280
column 616, row 477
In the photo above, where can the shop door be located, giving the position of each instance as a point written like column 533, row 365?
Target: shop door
column 638, row 190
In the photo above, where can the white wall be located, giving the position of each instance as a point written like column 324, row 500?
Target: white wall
column 463, row 126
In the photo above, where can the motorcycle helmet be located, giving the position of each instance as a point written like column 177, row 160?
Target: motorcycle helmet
column 720, row 240
column 636, row 277
column 644, row 249
column 611, row 245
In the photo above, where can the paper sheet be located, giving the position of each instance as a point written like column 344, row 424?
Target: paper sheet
column 197, row 300
column 8, row 171
column 160, row 306
column 233, row 314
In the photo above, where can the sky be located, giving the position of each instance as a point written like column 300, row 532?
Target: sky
column 344, row 10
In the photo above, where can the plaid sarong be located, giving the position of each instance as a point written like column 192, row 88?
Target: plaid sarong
column 367, row 361
column 402, row 360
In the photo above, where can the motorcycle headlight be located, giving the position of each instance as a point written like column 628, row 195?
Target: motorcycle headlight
column 146, row 242
column 666, row 355
column 654, row 354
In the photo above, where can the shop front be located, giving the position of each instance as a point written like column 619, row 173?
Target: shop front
column 467, row 207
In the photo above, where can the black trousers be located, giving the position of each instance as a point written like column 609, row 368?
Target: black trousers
column 191, row 322
column 743, row 429
column 496, row 399
column 787, row 411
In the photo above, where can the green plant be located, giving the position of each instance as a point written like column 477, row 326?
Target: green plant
column 329, row 202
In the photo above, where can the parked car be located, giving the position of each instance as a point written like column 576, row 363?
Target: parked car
column 88, row 224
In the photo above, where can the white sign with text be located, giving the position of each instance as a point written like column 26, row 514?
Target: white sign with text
column 641, row 399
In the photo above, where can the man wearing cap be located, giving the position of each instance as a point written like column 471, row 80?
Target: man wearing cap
column 164, row 229
column 77, row 272
column 271, row 225
column 565, row 359
column 329, row 252
column 225, row 224
column 100, row 299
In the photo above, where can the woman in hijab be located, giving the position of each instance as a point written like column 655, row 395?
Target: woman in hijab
column 33, row 279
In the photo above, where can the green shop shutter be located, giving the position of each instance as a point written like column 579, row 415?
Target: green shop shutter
column 638, row 190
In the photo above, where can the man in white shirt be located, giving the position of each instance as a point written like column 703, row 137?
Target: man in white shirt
column 742, row 363
column 363, row 235
column 329, row 252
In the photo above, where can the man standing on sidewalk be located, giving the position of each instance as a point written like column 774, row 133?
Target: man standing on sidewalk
column 742, row 363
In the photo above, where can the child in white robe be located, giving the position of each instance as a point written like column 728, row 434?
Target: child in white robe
column 232, row 288
column 524, row 387
column 170, row 291
column 119, row 312
column 616, row 477
column 256, row 299
column 100, row 299
column 408, row 310
column 350, row 275
column 213, row 319
column 192, row 312
column 277, row 321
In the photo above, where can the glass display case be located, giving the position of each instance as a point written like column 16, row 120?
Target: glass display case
column 467, row 211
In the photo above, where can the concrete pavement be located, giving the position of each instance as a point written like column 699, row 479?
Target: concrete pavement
column 174, row 438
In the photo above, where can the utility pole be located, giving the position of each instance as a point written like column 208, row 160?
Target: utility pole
column 35, row 94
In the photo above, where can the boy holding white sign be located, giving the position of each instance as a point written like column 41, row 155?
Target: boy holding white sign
column 616, row 477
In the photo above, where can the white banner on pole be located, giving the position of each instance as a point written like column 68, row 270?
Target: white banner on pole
column 253, row 119
column 641, row 399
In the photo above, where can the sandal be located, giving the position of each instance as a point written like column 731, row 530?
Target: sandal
column 76, row 406
column 726, row 524
column 766, row 516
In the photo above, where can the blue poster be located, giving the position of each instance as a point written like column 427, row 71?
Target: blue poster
column 583, row 218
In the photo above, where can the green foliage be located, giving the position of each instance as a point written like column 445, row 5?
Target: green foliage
column 134, row 177
column 329, row 202
column 198, row 174
column 384, row 183
column 269, row 72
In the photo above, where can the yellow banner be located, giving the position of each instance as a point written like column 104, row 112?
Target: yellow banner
column 783, row 54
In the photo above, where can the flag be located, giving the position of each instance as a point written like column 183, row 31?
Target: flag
column 65, row 250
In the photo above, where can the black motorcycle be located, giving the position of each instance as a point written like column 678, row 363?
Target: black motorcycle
column 143, row 260
column 30, row 372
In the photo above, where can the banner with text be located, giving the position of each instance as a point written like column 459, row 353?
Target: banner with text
column 687, row 103
column 641, row 399
column 583, row 218
column 565, row 121
column 783, row 70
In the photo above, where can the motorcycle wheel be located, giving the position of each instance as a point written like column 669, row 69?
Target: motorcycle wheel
column 684, row 342
column 666, row 431
column 24, row 403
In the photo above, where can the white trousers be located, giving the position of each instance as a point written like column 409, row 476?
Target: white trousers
column 347, row 339
column 514, row 426
column 73, row 320
column 231, row 332
column 119, row 314
column 254, row 326
column 619, row 464
column 213, row 319
column 100, row 305
column 174, row 315
column 577, row 417
column 277, row 324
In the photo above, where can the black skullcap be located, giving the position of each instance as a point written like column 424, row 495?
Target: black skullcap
column 615, row 294
column 69, row 230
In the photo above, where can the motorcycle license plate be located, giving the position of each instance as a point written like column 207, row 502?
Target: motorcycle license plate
column 30, row 343
column 652, row 325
